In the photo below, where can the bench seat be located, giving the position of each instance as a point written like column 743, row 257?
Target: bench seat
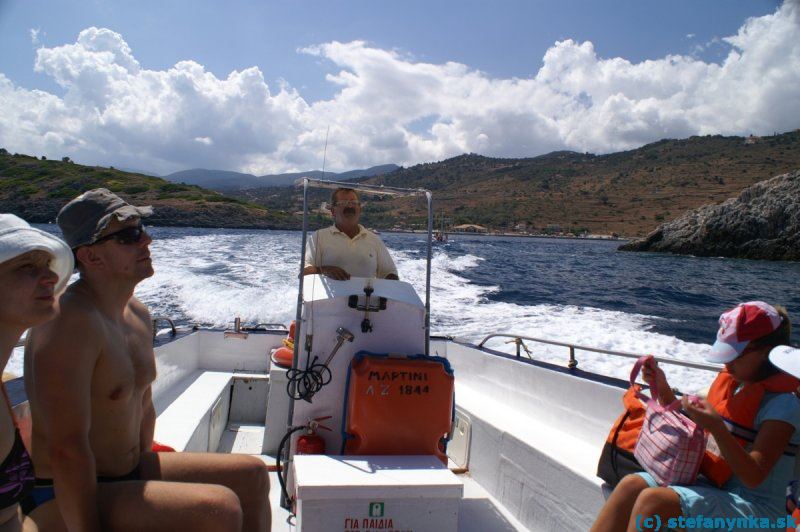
column 190, row 411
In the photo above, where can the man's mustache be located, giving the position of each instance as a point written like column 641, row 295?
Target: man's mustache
column 349, row 210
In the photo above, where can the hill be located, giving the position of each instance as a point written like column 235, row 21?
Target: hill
column 628, row 193
column 36, row 189
column 223, row 181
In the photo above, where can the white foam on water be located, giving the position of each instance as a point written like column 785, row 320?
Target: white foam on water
column 211, row 278
column 462, row 309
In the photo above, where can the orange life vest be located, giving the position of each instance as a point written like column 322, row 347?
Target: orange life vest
column 739, row 409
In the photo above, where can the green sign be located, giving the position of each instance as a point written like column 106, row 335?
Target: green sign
column 376, row 509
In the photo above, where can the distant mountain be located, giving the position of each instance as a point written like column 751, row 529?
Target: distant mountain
column 138, row 171
column 213, row 179
column 225, row 181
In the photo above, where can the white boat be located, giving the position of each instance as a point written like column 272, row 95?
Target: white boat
column 524, row 441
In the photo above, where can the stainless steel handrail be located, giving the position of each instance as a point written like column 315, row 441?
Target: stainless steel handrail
column 267, row 327
column 156, row 319
column 573, row 362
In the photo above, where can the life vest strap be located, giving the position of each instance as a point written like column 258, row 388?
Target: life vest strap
column 749, row 435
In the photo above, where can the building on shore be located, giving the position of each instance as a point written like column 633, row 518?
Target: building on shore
column 469, row 228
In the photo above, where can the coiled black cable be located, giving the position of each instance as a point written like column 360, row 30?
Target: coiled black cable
column 304, row 383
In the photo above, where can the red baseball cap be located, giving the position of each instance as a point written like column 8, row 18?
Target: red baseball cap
column 739, row 326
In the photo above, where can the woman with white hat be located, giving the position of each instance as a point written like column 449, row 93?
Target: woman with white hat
column 787, row 358
column 34, row 269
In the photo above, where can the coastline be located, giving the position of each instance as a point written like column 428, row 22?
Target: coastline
column 512, row 235
column 515, row 235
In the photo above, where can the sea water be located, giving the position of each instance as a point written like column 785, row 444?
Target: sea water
column 570, row 290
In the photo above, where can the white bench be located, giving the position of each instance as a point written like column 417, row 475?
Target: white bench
column 533, row 446
column 192, row 414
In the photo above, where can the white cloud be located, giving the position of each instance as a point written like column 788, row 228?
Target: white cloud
column 34, row 32
column 392, row 108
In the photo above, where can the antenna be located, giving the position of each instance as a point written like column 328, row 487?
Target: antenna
column 325, row 152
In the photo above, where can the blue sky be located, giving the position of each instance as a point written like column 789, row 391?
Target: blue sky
column 386, row 50
column 504, row 39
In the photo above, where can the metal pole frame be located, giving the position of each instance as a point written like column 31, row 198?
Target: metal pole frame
column 429, row 197
column 371, row 189
column 296, row 352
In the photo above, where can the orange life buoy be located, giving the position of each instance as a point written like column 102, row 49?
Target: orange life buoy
column 283, row 357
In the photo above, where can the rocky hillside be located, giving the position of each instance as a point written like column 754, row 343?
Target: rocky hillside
column 629, row 193
column 763, row 222
column 36, row 190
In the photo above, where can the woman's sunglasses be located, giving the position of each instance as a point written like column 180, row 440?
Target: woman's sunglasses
column 127, row 236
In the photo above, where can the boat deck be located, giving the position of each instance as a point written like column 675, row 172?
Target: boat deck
column 478, row 511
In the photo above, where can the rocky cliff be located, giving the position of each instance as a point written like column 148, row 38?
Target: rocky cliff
column 763, row 222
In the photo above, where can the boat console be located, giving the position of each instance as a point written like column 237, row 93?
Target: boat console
column 369, row 411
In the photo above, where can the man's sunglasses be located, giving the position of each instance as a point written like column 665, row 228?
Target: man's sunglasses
column 127, row 236
column 347, row 203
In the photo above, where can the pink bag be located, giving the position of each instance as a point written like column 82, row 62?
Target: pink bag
column 670, row 446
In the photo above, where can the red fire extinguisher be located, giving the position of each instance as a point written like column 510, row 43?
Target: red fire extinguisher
column 311, row 442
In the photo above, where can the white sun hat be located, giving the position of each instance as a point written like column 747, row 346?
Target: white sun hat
column 786, row 358
column 18, row 237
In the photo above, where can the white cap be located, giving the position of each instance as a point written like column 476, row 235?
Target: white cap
column 786, row 358
column 17, row 238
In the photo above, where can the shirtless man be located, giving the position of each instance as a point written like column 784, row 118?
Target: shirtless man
column 88, row 374
column 346, row 248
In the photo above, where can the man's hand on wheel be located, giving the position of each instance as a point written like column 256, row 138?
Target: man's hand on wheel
column 334, row 272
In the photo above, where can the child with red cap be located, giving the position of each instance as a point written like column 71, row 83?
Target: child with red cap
column 752, row 420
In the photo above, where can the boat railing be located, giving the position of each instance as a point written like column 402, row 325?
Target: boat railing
column 266, row 327
column 173, row 332
column 573, row 361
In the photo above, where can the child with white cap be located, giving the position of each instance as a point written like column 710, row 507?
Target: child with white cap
column 752, row 421
column 34, row 268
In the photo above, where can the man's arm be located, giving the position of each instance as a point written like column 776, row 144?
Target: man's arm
column 386, row 267
column 334, row 272
column 65, row 352
column 147, row 427
column 311, row 260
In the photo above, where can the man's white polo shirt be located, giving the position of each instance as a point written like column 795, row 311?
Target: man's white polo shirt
column 364, row 255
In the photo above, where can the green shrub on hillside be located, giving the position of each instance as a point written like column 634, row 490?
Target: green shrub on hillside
column 223, row 199
column 172, row 187
column 26, row 190
column 63, row 192
column 135, row 189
